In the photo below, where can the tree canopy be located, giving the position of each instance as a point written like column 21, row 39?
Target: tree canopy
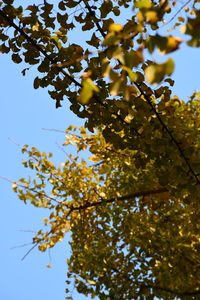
column 132, row 206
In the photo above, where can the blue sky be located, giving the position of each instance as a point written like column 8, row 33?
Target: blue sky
column 23, row 113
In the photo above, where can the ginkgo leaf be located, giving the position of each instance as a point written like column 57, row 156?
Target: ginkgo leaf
column 115, row 27
column 87, row 91
column 143, row 4
column 156, row 72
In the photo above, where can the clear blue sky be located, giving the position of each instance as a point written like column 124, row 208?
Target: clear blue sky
column 23, row 113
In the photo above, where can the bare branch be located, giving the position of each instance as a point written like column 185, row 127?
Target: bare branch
column 55, row 130
column 20, row 246
column 29, row 251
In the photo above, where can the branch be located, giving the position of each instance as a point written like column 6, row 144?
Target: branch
column 56, row 64
column 168, row 290
column 92, row 14
column 122, row 198
column 178, row 11
column 40, row 49
column 177, row 144
column 173, row 139
column 37, row 243
column 30, row 189
column 104, row 201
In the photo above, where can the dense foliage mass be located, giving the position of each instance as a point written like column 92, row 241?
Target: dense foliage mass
column 133, row 208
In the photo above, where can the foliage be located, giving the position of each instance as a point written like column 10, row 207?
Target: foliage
column 136, row 224
column 133, row 213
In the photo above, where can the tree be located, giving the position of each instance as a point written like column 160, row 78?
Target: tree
column 133, row 213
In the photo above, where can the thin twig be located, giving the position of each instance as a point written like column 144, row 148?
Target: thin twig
column 29, row 251
column 53, row 229
column 92, row 14
column 178, row 11
column 6, row 179
column 20, row 246
column 24, row 230
column 14, row 142
column 70, row 157
column 29, row 189
column 55, row 130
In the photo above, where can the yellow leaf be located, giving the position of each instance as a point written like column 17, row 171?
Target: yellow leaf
column 173, row 43
column 151, row 17
column 115, row 27
column 91, row 282
column 156, row 72
column 94, row 158
column 35, row 27
column 143, row 4
column 87, row 91
column 115, row 88
column 132, row 75
column 14, row 185
column 92, row 85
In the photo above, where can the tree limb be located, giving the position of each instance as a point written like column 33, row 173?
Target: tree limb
column 178, row 11
column 168, row 290
column 122, row 198
column 57, row 65
column 175, row 142
column 173, row 139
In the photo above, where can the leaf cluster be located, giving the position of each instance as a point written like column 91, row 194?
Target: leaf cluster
column 132, row 207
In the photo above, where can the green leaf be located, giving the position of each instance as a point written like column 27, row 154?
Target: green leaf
column 132, row 75
column 87, row 91
column 143, row 4
column 133, row 58
column 115, row 27
column 156, row 72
